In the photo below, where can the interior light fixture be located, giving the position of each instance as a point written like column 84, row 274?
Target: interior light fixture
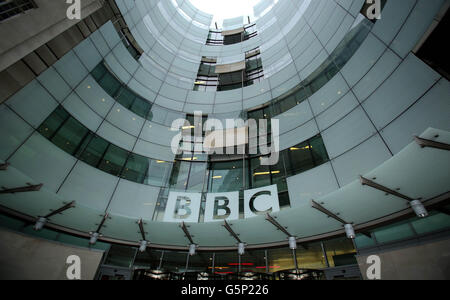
column 143, row 246
column 419, row 209
column 292, row 243
column 40, row 223
column 349, row 231
column 94, row 238
column 241, row 248
column 192, row 249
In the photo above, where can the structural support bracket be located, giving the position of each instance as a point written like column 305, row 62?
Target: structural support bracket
column 431, row 144
column 277, row 225
column 141, row 229
column 60, row 210
column 325, row 211
column 24, row 189
column 105, row 217
column 4, row 167
column 186, row 232
column 230, row 230
column 365, row 181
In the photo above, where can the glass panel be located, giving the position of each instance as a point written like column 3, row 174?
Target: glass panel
column 114, row 160
column 318, row 150
column 180, row 175
column 299, row 159
column 393, row 233
column 340, row 252
column 432, row 223
column 197, row 176
column 110, row 84
column 225, row 177
column 260, row 175
column 99, row 71
column 136, row 168
column 70, row 136
column 125, row 97
column 159, row 173
column 95, row 150
column 53, row 122
column 140, row 107
column 120, row 256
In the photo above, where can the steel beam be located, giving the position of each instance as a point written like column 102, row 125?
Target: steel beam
column 60, row 210
column 277, row 225
column 327, row 212
column 365, row 181
column 24, row 189
column 186, row 232
column 230, row 230
column 105, row 217
column 424, row 143
column 141, row 229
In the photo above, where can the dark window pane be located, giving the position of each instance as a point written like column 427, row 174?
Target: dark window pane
column 226, row 176
column 114, row 160
column 284, row 199
column 260, row 175
column 110, row 84
column 53, row 122
column 94, row 151
column 299, row 159
column 318, row 150
column 99, row 71
column 180, row 175
column 140, row 107
column 136, row 168
column 70, row 135
column 125, row 97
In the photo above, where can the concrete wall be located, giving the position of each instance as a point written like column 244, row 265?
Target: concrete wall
column 36, row 27
column 28, row 258
column 430, row 261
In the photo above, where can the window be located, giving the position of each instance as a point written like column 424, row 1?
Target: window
column 215, row 38
column 10, row 8
column 193, row 172
column 208, row 80
column 434, row 52
column 121, row 93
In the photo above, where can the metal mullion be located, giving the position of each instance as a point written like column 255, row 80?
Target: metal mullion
column 103, row 155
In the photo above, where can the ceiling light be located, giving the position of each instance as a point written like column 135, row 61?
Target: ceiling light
column 292, row 243
column 143, row 246
column 419, row 209
column 94, row 238
column 40, row 223
column 241, row 248
column 192, row 249
column 349, row 231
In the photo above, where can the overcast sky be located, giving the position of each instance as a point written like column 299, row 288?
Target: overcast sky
column 226, row 9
